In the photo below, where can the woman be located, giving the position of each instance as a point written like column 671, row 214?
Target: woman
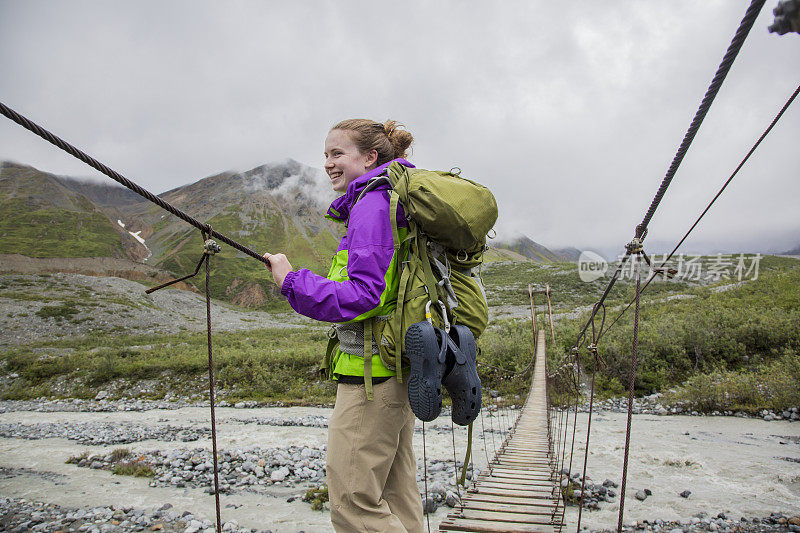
column 371, row 469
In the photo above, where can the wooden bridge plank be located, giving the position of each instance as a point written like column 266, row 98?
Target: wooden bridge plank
column 500, row 516
column 482, row 526
column 530, row 507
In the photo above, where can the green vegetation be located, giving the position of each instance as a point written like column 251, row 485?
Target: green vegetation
column 267, row 364
column 119, row 454
column 723, row 342
column 58, row 312
column 37, row 231
column 133, row 468
column 316, row 496
column 772, row 386
column 75, row 459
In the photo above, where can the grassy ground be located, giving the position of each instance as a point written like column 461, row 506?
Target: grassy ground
column 741, row 343
column 267, row 364
column 732, row 349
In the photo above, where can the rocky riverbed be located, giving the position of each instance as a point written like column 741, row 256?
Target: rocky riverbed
column 655, row 405
column 53, row 475
column 55, row 463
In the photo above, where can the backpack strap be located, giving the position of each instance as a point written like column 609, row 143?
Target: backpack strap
column 463, row 480
column 368, row 326
column 326, row 368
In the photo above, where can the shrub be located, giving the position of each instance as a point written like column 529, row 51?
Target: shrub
column 316, row 496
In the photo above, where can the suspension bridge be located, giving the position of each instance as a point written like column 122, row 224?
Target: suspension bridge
column 520, row 490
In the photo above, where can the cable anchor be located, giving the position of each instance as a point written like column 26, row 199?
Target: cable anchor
column 635, row 247
column 210, row 247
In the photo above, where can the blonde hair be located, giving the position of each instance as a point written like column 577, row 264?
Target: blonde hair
column 387, row 139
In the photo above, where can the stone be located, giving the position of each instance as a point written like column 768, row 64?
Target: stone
column 641, row 495
column 685, row 494
column 437, row 490
column 429, row 506
column 452, row 499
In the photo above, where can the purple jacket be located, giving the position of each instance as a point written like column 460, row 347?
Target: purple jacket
column 370, row 249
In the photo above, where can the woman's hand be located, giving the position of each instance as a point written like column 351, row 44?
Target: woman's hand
column 279, row 265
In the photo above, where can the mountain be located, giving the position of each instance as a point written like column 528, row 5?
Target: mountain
column 43, row 217
column 793, row 251
column 524, row 248
column 276, row 207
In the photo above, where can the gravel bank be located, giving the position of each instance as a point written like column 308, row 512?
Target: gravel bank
column 108, row 304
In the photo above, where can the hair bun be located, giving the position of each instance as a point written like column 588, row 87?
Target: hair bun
column 400, row 138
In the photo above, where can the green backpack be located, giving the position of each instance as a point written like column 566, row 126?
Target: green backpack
column 448, row 220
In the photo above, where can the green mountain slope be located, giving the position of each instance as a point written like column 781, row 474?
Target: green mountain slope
column 39, row 217
column 276, row 207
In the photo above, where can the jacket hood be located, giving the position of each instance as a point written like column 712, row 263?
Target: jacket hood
column 339, row 211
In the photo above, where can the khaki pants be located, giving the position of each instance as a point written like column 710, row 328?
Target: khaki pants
column 372, row 471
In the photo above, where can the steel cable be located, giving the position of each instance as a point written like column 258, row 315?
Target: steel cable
column 660, row 269
column 122, row 180
column 632, row 381
column 716, row 83
column 211, row 393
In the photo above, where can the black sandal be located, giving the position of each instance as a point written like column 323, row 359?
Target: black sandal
column 461, row 375
column 426, row 348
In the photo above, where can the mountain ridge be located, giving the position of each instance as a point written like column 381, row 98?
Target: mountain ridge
column 276, row 207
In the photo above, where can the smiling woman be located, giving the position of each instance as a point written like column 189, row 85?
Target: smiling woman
column 371, row 468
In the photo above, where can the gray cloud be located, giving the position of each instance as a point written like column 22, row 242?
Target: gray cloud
column 570, row 112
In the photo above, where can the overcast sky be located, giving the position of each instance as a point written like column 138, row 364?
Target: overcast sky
column 571, row 112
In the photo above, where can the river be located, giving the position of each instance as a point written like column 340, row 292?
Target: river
column 742, row 467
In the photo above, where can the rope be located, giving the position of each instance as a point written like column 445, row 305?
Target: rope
column 425, row 473
column 631, row 383
column 713, row 200
column 119, row 178
column 211, row 391
column 483, row 436
column 455, row 464
column 722, row 71
column 588, row 434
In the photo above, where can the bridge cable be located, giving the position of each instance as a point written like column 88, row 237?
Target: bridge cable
column 661, row 269
column 119, row 178
column 593, row 351
column 211, row 384
column 716, row 83
column 634, row 357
